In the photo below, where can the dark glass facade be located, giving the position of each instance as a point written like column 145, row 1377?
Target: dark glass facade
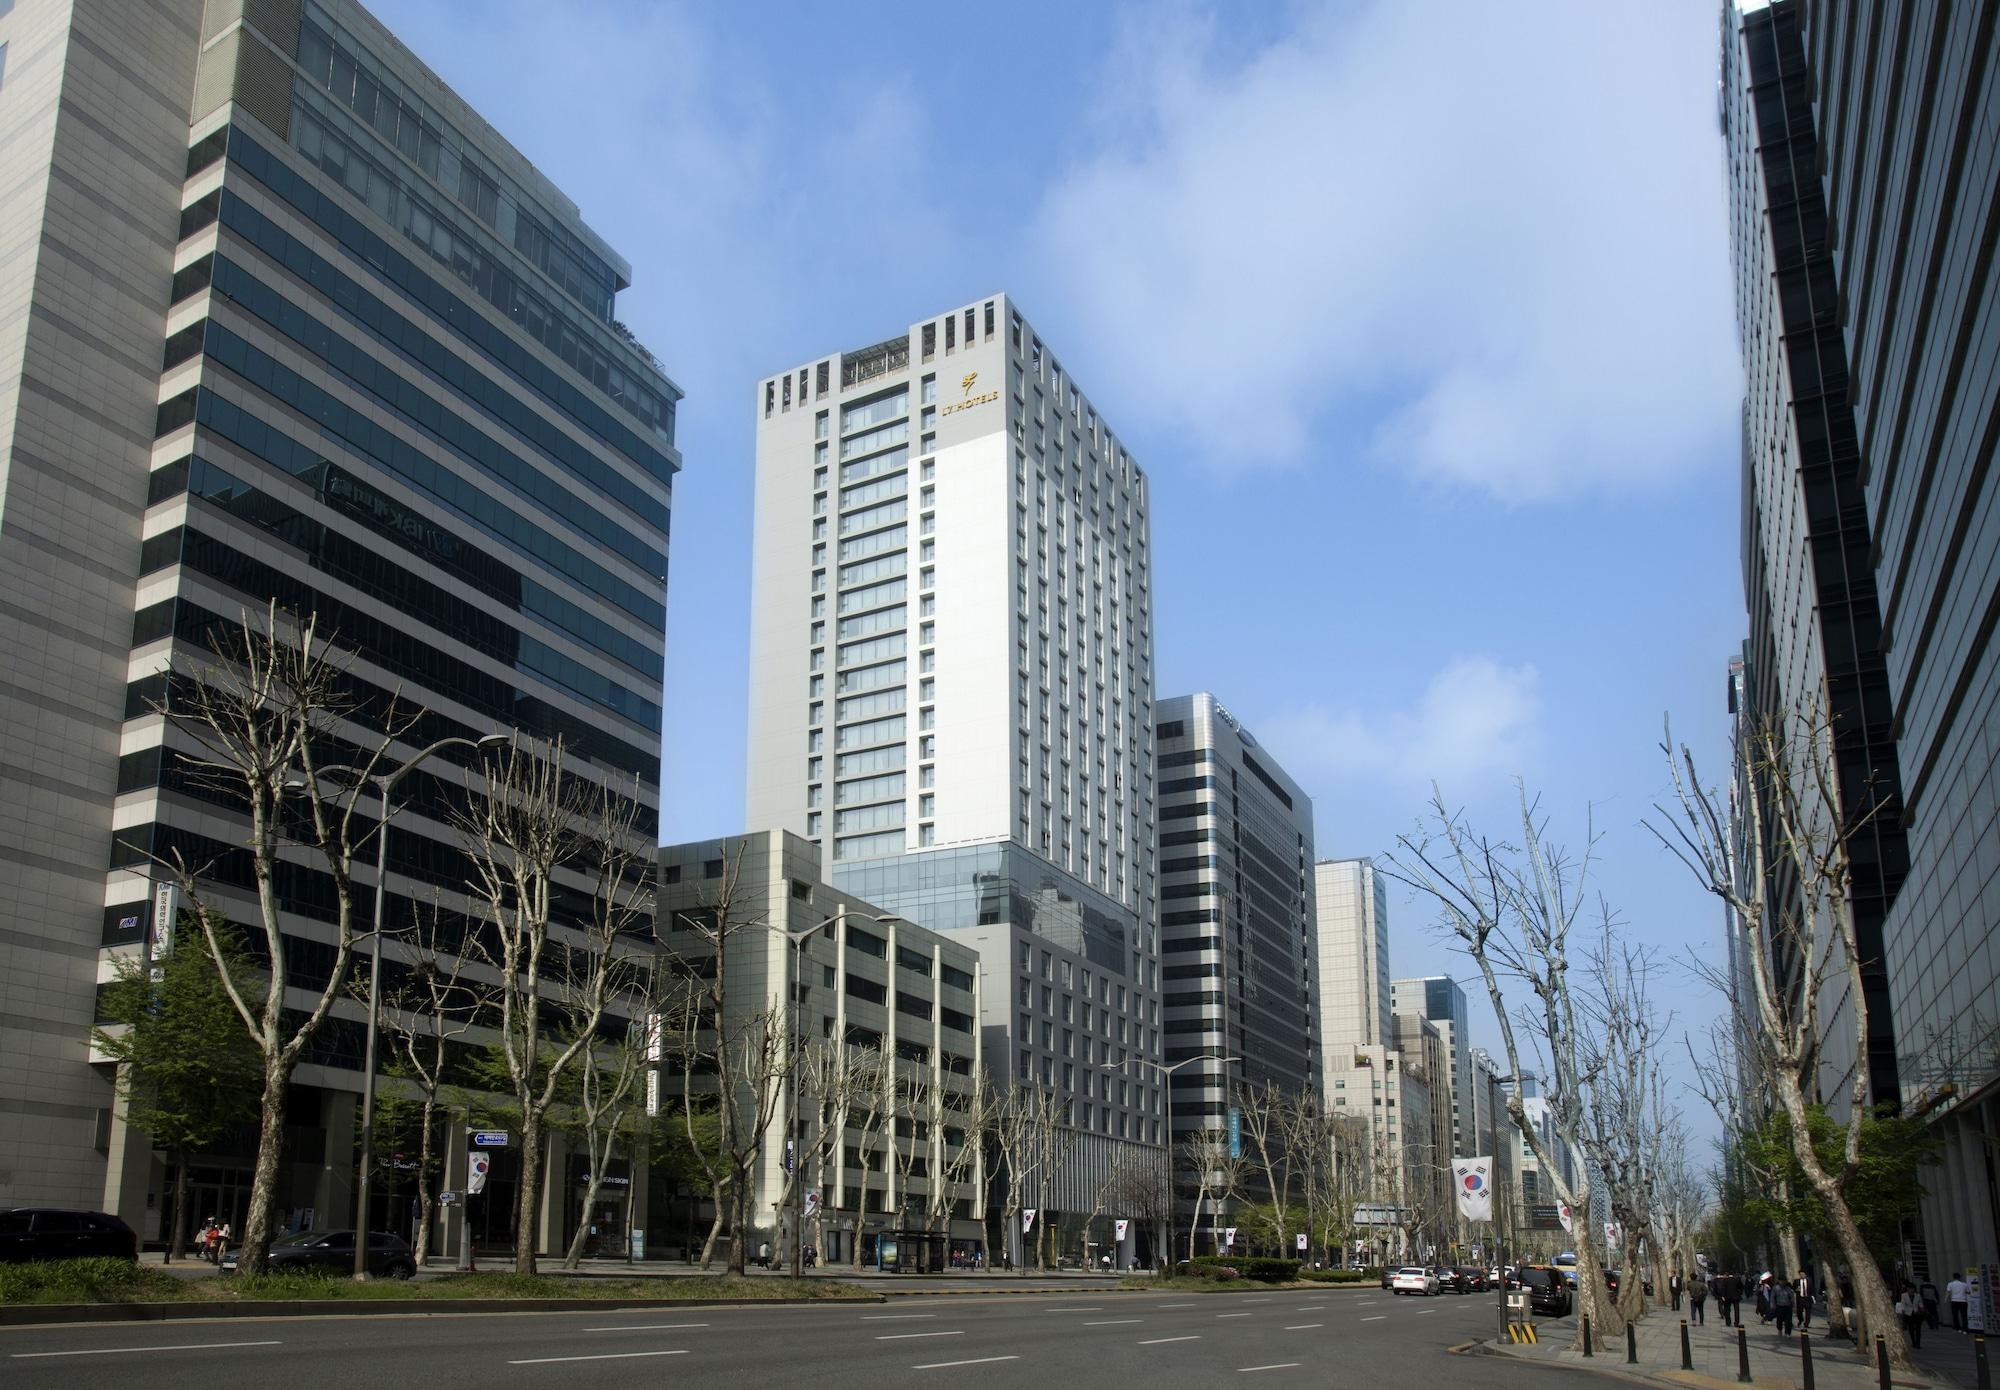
column 395, row 397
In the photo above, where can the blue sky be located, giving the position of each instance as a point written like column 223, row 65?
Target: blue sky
column 1417, row 314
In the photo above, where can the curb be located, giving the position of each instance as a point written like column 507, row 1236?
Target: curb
column 63, row 1314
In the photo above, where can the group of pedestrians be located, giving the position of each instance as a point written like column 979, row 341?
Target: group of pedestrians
column 212, row 1239
column 1789, row 1303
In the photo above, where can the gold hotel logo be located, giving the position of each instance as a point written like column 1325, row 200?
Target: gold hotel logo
column 966, row 383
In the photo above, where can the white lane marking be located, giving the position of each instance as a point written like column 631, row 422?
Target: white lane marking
column 973, row 1361
column 906, row 1336
column 1072, row 1310
column 649, row 1327
column 1304, row 1326
column 1157, row 1340
column 895, row 1317
column 1178, row 1305
column 1377, row 1318
column 607, row 1356
column 1365, row 1302
column 1425, row 1312
column 1111, row 1322
column 1274, row 1366
column 1308, row 1307
column 1232, row 1315
column 112, row 1351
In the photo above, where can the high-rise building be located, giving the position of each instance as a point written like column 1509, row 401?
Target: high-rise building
column 1424, row 1098
column 951, row 689
column 1815, row 649
column 1237, row 906
column 1860, row 138
column 1439, row 999
column 282, row 319
column 1351, row 917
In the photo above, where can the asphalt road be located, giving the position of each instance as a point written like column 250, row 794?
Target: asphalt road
column 1333, row 1338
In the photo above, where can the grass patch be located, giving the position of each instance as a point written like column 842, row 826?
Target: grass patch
column 86, row 1281
column 116, row 1281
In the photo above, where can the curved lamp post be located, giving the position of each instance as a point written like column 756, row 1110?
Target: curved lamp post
column 1167, row 1084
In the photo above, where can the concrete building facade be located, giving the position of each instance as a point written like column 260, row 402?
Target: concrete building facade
column 884, row 988
column 951, row 691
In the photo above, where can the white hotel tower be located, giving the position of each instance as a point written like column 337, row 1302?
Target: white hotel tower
column 951, row 686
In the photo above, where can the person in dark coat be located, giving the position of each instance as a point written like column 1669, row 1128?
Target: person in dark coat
column 1697, row 1291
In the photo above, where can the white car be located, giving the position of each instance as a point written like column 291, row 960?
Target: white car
column 1413, row 1279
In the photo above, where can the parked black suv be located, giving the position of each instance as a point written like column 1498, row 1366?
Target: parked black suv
column 1548, row 1290
column 44, row 1233
column 333, row 1252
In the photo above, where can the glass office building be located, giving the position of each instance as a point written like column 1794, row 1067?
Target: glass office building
column 334, row 343
column 1863, row 134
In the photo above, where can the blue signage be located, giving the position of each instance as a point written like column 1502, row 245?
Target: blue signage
column 1235, row 1132
column 489, row 1139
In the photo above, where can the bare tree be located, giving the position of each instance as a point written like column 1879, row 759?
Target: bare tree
column 1218, row 1175
column 1513, row 910
column 1788, row 815
column 1132, row 1189
column 871, row 1086
column 604, row 1107
column 1621, row 1042
column 1013, row 1139
column 539, row 827
column 423, row 1018
column 1053, row 1138
column 265, row 719
column 965, row 1114
column 1264, row 1110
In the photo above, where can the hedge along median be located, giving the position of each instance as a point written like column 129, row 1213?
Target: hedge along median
column 113, row 1290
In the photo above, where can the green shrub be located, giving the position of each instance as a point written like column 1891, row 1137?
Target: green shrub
column 100, row 1280
column 1338, row 1276
column 1249, row 1267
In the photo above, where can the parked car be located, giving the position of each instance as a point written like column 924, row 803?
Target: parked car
column 333, row 1251
column 47, row 1233
column 1548, row 1290
column 1388, row 1273
column 1414, row 1279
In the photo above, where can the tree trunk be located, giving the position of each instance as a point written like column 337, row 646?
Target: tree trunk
column 420, row 1247
column 575, row 1255
column 528, row 1200
column 256, row 1240
column 177, row 1237
column 1874, row 1314
column 1631, row 1288
column 1836, row 1311
column 739, row 1221
column 1592, row 1299
column 714, row 1232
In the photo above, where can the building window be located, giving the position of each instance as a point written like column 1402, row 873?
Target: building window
column 711, row 868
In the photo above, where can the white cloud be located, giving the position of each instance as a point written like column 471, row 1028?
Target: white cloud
column 1475, row 718
column 1495, row 231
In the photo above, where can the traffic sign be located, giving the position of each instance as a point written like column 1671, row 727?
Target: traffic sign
column 447, row 1198
column 489, row 1139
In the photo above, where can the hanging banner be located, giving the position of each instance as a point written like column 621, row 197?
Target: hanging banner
column 812, row 1205
column 1235, row 1132
column 1611, row 1235
column 1564, row 1215
column 1228, row 1237
column 475, row 1172
column 1475, row 1193
column 166, row 908
column 1027, row 1219
column 1121, row 1227
column 1302, row 1242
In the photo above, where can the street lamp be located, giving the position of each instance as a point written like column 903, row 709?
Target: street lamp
column 1167, row 1084
column 798, row 940
column 385, row 783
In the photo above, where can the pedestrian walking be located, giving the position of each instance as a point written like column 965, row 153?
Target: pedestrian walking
column 1764, row 1299
column 1803, row 1288
column 1928, row 1293
column 1674, row 1289
column 1782, row 1297
column 222, row 1235
column 1697, row 1291
column 1910, row 1309
column 1959, row 1293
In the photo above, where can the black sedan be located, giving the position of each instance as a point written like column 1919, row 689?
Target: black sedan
column 46, row 1233
column 332, row 1252
column 1465, row 1279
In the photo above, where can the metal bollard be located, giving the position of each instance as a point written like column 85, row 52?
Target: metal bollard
column 1882, row 1361
column 1586, row 1334
column 1631, row 1345
column 1983, row 1378
column 1687, row 1351
column 1742, row 1354
column 1805, row 1359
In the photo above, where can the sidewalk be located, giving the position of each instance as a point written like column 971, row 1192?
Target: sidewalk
column 1774, row 1361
